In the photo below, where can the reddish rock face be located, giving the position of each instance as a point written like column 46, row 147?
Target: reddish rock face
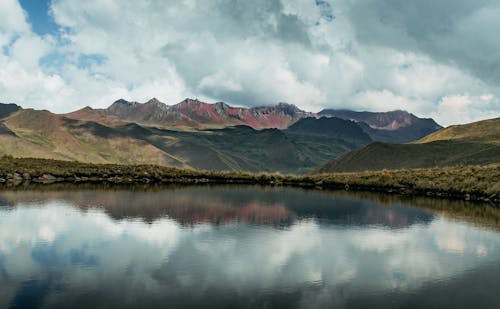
column 195, row 114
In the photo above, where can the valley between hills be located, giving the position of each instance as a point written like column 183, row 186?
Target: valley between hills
column 199, row 135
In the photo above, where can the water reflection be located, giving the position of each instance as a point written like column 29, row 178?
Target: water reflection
column 233, row 247
column 219, row 205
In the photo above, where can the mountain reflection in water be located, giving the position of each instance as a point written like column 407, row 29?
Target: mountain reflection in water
column 219, row 205
column 227, row 246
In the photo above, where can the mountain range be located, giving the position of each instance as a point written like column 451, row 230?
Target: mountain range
column 195, row 134
column 193, row 114
column 394, row 126
column 132, row 133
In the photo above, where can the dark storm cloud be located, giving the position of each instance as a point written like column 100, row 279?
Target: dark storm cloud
column 461, row 33
column 259, row 18
column 230, row 25
column 325, row 10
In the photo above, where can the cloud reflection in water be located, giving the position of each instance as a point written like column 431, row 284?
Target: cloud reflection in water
column 240, row 246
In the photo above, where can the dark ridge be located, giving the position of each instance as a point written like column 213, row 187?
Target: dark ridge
column 8, row 109
column 134, row 129
column 332, row 127
column 236, row 128
column 95, row 128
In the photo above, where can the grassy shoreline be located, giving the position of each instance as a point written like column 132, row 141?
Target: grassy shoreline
column 474, row 183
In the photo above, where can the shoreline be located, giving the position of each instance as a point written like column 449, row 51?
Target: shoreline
column 470, row 183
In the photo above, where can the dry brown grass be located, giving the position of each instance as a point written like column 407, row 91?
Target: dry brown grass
column 474, row 182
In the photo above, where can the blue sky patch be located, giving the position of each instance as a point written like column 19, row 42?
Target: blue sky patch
column 38, row 16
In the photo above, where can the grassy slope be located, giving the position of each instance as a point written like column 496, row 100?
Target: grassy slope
column 480, row 181
column 45, row 135
column 243, row 148
column 486, row 131
column 30, row 133
column 472, row 144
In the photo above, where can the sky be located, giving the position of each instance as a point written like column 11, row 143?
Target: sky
column 438, row 59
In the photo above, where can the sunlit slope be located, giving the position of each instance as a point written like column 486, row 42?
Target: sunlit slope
column 486, row 131
column 45, row 135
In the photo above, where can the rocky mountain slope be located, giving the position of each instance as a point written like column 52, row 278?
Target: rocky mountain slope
column 193, row 114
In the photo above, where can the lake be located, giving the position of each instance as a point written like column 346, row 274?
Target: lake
column 249, row 247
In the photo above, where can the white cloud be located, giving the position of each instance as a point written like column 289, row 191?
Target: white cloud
column 29, row 49
column 249, row 54
column 382, row 100
column 13, row 17
column 466, row 108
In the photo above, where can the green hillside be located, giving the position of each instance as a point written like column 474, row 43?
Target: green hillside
column 244, row 148
column 471, row 144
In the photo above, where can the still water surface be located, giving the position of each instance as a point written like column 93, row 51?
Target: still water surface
column 249, row 247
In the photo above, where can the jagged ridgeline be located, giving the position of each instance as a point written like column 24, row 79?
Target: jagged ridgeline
column 194, row 114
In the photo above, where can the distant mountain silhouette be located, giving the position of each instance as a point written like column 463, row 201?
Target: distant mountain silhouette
column 394, row 127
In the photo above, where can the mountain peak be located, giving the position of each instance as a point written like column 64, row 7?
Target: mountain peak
column 288, row 106
column 287, row 109
column 189, row 101
column 121, row 101
column 122, row 107
column 154, row 101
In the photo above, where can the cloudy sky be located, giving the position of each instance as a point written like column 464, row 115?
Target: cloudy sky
column 436, row 59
